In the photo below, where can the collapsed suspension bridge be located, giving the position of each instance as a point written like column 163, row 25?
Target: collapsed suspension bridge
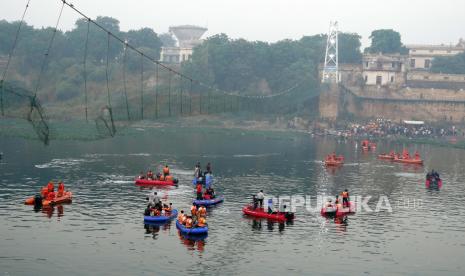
column 171, row 93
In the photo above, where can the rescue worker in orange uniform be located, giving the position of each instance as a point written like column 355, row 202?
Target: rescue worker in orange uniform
column 50, row 187
column 194, row 210
column 202, row 212
column 189, row 222
column 44, row 192
column 345, row 198
column 51, row 195
column 156, row 212
column 182, row 217
column 169, row 208
column 61, row 189
column 202, row 222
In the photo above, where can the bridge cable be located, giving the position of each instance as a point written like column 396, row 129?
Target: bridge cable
column 84, row 73
column 10, row 55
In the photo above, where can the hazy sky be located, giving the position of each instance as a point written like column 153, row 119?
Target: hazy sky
column 418, row 21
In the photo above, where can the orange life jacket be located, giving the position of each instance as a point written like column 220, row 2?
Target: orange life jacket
column 345, row 194
column 44, row 192
column 162, row 177
column 189, row 223
column 202, row 211
column 61, row 187
column 51, row 196
column 184, row 218
column 202, row 222
column 50, row 187
column 194, row 210
column 169, row 178
column 156, row 212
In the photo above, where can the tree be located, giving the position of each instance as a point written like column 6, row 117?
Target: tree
column 449, row 65
column 349, row 48
column 386, row 41
column 167, row 40
column 145, row 38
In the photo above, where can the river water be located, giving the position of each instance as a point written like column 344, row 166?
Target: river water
column 102, row 231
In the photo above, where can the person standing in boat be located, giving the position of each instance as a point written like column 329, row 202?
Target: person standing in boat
column 154, row 199
column 260, row 196
column 270, row 206
column 166, row 171
column 199, row 191
column 345, row 198
column 197, row 171
column 209, row 168
column 61, row 189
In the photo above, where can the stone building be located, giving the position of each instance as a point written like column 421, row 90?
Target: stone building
column 381, row 70
column 187, row 36
column 421, row 56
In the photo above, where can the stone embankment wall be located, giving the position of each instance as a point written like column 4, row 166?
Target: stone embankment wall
column 431, row 105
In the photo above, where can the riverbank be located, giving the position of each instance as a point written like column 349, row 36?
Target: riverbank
column 278, row 128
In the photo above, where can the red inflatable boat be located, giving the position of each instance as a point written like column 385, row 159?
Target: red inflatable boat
column 147, row 182
column 433, row 183
column 339, row 212
column 260, row 213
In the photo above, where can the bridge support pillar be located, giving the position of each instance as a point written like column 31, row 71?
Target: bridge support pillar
column 330, row 101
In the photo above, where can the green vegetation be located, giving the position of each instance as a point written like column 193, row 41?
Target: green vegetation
column 449, row 65
column 247, row 68
column 260, row 68
column 386, row 41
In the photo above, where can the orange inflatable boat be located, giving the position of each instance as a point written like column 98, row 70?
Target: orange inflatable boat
column 67, row 197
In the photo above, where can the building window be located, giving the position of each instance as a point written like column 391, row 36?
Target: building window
column 425, row 77
column 412, row 63
column 427, row 63
column 431, row 51
column 379, row 65
column 366, row 64
column 392, row 78
column 446, row 78
column 366, row 78
column 413, row 50
column 393, row 65
column 379, row 80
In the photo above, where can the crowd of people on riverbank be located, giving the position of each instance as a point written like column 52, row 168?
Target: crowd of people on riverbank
column 382, row 128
